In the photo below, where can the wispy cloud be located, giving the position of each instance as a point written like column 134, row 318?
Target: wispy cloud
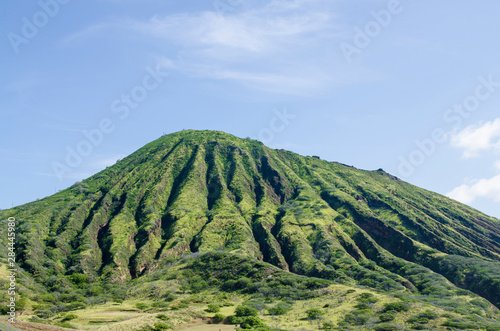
column 476, row 139
column 254, row 31
column 249, row 47
column 484, row 188
column 93, row 30
column 279, row 46
column 301, row 82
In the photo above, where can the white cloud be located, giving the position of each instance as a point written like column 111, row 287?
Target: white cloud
column 270, row 48
column 252, row 31
column 274, row 26
column 276, row 46
column 478, row 138
column 483, row 188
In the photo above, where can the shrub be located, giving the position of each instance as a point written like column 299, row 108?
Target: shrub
column 252, row 322
column 422, row 318
column 141, row 306
column 328, row 326
column 246, row 311
column 229, row 285
column 479, row 303
column 218, row 318
column 281, row 309
column 461, row 324
column 159, row 304
column 362, row 306
column 46, row 297
column 355, row 319
column 169, row 296
column 314, row 314
column 395, row 306
column 93, row 300
column 213, row 308
column 197, row 284
column 235, row 319
column 161, row 326
column 78, row 279
column 388, row 327
column 162, row 317
column 65, row 325
column 45, row 313
column 386, row 317
column 429, row 314
column 4, row 309
column 418, row 320
column 74, row 306
column 255, row 303
column 243, row 283
column 69, row 317
column 180, row 305
column 366, row 298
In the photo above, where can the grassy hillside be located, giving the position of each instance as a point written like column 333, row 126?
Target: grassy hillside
column 197, row 192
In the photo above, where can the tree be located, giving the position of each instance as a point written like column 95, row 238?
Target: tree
column 246, row 311
column 213, row 308
column 252, row 322
column 218, row 318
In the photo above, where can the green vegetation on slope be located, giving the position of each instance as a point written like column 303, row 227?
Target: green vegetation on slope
column 204, row 191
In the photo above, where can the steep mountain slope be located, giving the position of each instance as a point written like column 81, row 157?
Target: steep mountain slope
column 205, row 191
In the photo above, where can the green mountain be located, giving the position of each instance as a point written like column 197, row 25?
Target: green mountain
column 216, row 209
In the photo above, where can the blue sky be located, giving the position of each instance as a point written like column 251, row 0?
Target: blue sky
column 412, row 87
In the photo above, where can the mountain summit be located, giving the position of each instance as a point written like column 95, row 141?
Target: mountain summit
column 208, row 191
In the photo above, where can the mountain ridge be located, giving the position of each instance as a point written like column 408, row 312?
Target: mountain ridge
column 208, row 191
